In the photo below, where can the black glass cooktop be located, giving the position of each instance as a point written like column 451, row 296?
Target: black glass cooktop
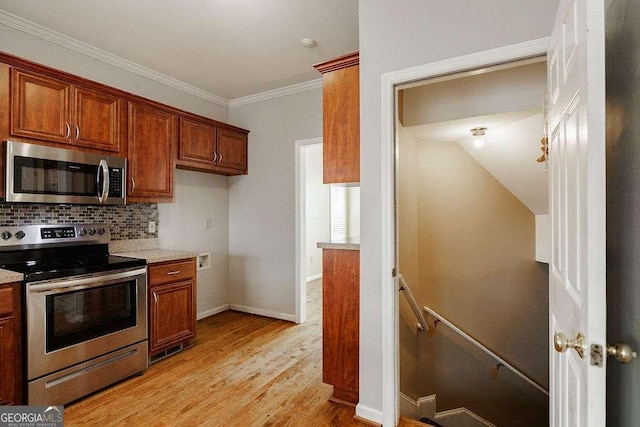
column 54, row 263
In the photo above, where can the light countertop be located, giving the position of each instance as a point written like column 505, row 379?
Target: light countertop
column 158, row 255
column 352, row 244
column 147, row 249
column 7, row 276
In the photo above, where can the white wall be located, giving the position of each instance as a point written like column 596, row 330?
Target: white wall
column 543, row 238
column 393, row 36
column 261, row 204
column 199, row 196
column 317, row 209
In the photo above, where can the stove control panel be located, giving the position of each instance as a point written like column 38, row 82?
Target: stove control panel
column 13, row 237
column 57, row 232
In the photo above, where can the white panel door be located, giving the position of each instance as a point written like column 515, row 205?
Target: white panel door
column 577, row 193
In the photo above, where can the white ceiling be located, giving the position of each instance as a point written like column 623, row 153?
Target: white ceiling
column 512, row 145
column 229, row 48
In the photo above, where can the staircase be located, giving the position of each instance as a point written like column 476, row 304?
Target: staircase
column 424, row 409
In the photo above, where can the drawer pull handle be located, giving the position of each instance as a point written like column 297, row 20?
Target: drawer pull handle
column 155, row 298
column 171, row 273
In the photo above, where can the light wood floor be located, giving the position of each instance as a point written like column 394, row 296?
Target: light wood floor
column 243, row 370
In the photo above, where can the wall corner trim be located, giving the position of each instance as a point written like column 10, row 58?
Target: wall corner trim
column 213, row 311
column 276, row 93
column 60, row 39
column 369, row 414
column 262, row 312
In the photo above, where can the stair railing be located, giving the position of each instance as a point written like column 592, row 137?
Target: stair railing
column 422, row 322
column 475, row 342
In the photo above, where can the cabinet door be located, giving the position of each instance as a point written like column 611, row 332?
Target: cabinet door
column 341, row 125
column 10, row 345
column 152, row 138
column 97, row 120
column 7, row 362
column 197, row 142
column 171, row 314
column 232, row 150
column 40, row 107
column 341, row 322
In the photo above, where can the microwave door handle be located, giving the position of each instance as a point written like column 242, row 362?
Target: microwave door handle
column 105, row 181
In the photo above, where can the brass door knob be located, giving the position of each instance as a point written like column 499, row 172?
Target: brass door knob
column 561, row 343
column 622, row 352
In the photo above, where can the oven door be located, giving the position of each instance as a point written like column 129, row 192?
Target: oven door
column 70, row 321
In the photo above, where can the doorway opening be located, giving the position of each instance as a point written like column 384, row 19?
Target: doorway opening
column 473, row 245
column 312, row 219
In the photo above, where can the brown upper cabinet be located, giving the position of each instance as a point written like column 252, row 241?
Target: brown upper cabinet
column 341, row 119
column 45, row 106
column 209, row 148
column 152, row 137
column 49, row 109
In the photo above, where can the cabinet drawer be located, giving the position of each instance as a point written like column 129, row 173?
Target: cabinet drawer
column 6, row 301
column 171, row 272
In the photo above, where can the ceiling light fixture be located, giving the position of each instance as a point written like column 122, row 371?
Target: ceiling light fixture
column 309, row 43
column 478, row 134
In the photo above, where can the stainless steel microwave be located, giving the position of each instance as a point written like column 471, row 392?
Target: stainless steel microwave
column 40, row 174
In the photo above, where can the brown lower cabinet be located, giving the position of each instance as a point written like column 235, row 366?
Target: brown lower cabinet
column 341, row 323
column 172, row 304
column 10, row 345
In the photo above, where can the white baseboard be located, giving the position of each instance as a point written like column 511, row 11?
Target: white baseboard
column 461, row 412
column 262, row 312
column 213, row 311
column 314, row 277
column 423, row 407
column 369, row 414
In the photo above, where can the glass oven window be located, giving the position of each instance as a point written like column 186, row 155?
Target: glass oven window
column 42, row 176
column 78, row 316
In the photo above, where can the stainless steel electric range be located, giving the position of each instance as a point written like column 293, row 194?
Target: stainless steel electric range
column 85, row 311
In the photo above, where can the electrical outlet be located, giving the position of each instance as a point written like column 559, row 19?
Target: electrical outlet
column 152, row 226
column 207, row 223
column 312, row 259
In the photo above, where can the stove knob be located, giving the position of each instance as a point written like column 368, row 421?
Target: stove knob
column 6, row 235
column 92, row 231
column 100, row 231
column 19, row 234
column 82, row 232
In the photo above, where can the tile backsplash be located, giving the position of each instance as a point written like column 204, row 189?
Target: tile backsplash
column 125, row 222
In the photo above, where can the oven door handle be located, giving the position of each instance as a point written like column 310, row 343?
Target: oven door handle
column 85, row 282
column 103, row 195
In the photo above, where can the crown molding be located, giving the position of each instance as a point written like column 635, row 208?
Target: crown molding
column 276, row 93
column 49, row 35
